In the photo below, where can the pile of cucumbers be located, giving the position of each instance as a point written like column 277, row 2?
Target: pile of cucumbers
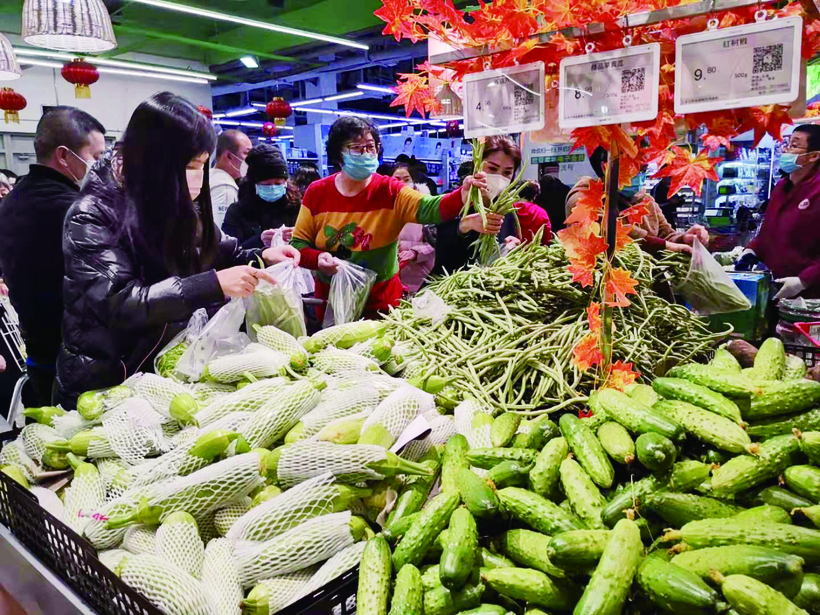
column 698, row 494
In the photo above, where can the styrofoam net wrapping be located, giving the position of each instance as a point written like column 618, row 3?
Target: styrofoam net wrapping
column 140, row 539
column 305, row 501
column 334, row 361
column 50, row 501
column 415, row 369
column 396, row 412
column 280, row 341
column 464, row 413
column 175, row 463
column 110, row 558
column 232, row 422
column 340, row 404
column 333, row 430
column 365, row 349
column 70, row 423
column 246, row 399
column 442, row 428
column 260, row 364
column 96, row 531
column 225, row 517
column 180, row 544
column 303, row 460
column 134, row 430
column 35, row 437
column 99, row 446
column 273, row 420
column 338, row 564
column 14, row 454
column 207, row 528
column 384, row 384
column 207, row 392
column 283, row 589
column 85, row 494
column 311, row 542
column 220, row 577
column 108, row 469
column 171, row 589
column 159, row 392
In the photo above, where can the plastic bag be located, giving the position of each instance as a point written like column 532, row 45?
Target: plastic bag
column 278, row 304
column 349, row 289
column 225, row 324
column 306, row 284
column 165, row 362
column 708, row 288
column 429, row 305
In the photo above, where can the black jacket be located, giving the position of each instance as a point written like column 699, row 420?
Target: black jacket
column 249, row 216
column 114, row 322
column 31, row 257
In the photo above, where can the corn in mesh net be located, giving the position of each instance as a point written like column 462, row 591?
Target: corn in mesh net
column 271, row 422
column 225, row 517
column 85, row 494
column 171, row 589
column 283, row 589
column 14, row 454
column 220, row 577
column 340, row 404
column 464, row 413
column 246, row 399
column 338, row 564
column 309, row 543
column 207, row 392
column 260, row 364
column 442, row 428
column 398, row 410
column 159, row 392
column 175, row 463
column 231, row 422
column 134, row 430
column 140, row 539
column 70, row 423
column 334, row 361
column 305, row 501
column 180, row 544
column 35, row 437
column 303, row 460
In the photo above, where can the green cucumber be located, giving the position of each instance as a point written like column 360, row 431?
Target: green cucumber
column 697, row 395
column 430, row 578
column 477, row 495
column 812, row 513
column 711, row 428
column 809, row 595
column 486, row 609
column 745, row 471
column 617, row 442
column 810, row 445
column 538, row 512
column 782, row 571
column 544, row 474
column 657, row 453
column 787, row 397
column 421, row 535
column 408, row 594
column 675, row 589
column 764, row 514
column 414, row 493
column 453, row 460
column 488, row 559
column 749, row 596
column 504, row 427
column 606, row 592
column 725, row 361
column 732, row 385
column 535, row 433
column 642, row 393
column 460, row 551
column 510, row 474
column 795, row 368
column 532, row 586
column 578, row 550
column 442, row 601
column 804, row 481
column 636, row 416
column 806, row 421
column 487, row 458
column 584, row 498
column 681, row 508
column 782, row 498
column 395, row 530
column 529, row 549
column 770, row 361
column 374, row 578
column 587, row 450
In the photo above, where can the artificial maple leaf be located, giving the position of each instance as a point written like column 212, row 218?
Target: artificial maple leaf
column 627, row 169
column 659, row 154
column 413, row 91
column 587, row 352
column 619, row 284
column 591, row 138
column 594, row 317
column 589, row 206
column 622, row 238
column 686, row 169
column 721, row 129
column 562, row 12
column 583, row 274
column 581, row 244
column 769, row 118
column 620, row 376
column 398, row 16
column 637, row 212
column 431, row 69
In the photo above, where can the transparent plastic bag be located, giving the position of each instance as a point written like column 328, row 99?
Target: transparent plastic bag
column 349, row 289
column 278, row 304
column 225, row 324
column 429, row 305
column 708, row 288
column 306, row 284
column 165, row 362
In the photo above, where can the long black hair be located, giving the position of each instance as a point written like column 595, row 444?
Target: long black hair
column 171, row 234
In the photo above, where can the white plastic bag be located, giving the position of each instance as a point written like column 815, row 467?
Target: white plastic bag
column 225, row 324
column 278, row 304
column 708, row 288
column 165, row 362
column 429, row 305
column 349, row 290
column 306, row 284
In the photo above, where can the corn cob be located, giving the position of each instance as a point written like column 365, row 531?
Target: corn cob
column 44, row 415
column 50, row 501
column 259, row 364
column 338, row 564
column 207, row 392
column 85, row 495
column 335, row 361
column 284, row 342
column 220, row 576
column 335, row 404
column 344, row 336
column 280, row 414
column 71, row 422
column 178, row 543
column 111, row 558
column 473, row 421
column 270, row 596
column 225, row 517
column 36, row 439
column 91, row 405
column 392, row 416
column 140, row 540
column 14, row 454
column 248, row 399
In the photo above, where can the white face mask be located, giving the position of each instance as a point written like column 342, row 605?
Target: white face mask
column 81, row 181
column 497, row 184
column 243, row 166
column 194, row 177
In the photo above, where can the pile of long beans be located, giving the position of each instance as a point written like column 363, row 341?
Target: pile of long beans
column 511, row 328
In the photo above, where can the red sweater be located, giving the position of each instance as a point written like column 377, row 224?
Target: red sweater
column 531, row 218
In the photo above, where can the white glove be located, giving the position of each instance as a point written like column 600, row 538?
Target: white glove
column 791, row 288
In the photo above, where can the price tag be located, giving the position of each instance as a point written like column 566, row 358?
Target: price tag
column 504, row 100
column 744, row 66
column 609, row 87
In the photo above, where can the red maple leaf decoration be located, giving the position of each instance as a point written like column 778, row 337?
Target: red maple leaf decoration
column 562, row 12
column 397, row 14
column 638, row 211
column 413, row 91
column 619, row 284
column 594, row 317
column 582, row 247
column 587, row 352
column 622, row 238
column 686, row 169
column 593, row 136
column 769, row 118
column 627, row 169
column 589, row 207
column 621, row 375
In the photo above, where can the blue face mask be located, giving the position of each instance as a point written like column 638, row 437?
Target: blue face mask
column 788, row 162
column 270, row 192
column 359, row 166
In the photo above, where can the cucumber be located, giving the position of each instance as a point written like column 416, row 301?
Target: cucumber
column 782, row 571
column 374, row 578
column 749, row 596
column 510, row 474
column 587, row 450
column 681, row 508
column 584, row 498
column 637, row 417
column 617, row 442
column 657, row 453
column 809, row 595
column 725, row 361
column 460, row 551
column 711, row 428
column 531, row 586
column 787, row 397
column 688, row 474
column 487, row 458
column 606, row 592
column 795, row 368
column 414, row 493
column 732, row 385
column 408, row 594
column 642, row 393
column 805, row 481
column 488, row 559
column 421, row 535
column 453, row 460
column 745, row 471
column 544, row 474
column 770, row 362
column 538, row 512
column 764, row 514
column 393, row 531
column 806, row 421
column 479, row 497
column 578, row 550
column 430, row 577
column 535, row 433
column 675, row 589
column 812, row 513
column 529, row 549
column 503, row 429
column 782, row 498
column 810, row 445
column 486, row 609
column 442, row 601
column 697, row 395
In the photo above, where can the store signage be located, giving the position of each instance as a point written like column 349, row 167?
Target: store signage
column 504, row 100
column 609, row 87
column 744, row 66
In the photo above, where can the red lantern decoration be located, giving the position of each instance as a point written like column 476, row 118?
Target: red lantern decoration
column 12, row 103
column 81, row 74
column 279, row 111
column 205, row 111
column 269, row 129
column 452, row 128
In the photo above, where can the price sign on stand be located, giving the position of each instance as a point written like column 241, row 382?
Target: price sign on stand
column 743, row 66
column 609, row 87
column 504, row 100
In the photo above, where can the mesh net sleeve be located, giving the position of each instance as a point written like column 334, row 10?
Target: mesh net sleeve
column 134, row 430
column 225, row 517
column 338, row 564
column 70, row 423
column 171, row 589
column 232, row 422
column 14, row 454
column 111, row 558
column 348, row 463
column 247, row 399
column 86, row 494
column 175, row 463
column 334, row 361
column 279, row 414
column 396, row 412
column 261, row 364
column 279, row 340
column 108, row 469
column 99, row 446
column 50, row 501
column 464, row 413
column 442, row 428
column 384, row 384
column 283, row 589
column 220, row 576
column 159, row 392
column 140, row 539
column 208, row 392
column 338, row 405
column 180, row 544
column 35, row 437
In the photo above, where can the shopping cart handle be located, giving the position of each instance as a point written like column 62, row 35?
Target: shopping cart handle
column 806, row 329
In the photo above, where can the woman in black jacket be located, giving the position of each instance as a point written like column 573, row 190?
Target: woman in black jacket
column 141, row 249
column 266, row 201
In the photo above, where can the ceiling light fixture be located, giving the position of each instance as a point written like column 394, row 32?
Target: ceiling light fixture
column 300, row 103
column 396, row 125
column 344, row 96
column 373, row 116
column 238, row 112
column 201, row 12
column 375, row 88
column 117, row 71
column 249, row 62
column 9, row 68
column 77, row 25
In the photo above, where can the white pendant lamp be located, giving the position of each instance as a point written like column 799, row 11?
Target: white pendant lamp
column 9, row 68
column 68, row 25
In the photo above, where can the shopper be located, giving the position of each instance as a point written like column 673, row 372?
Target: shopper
column 401, row 171
column 305, row 175
column 142, row 252
column 789, row 239
column 232, row 149
column 5, row 186
column 357, row 214
column 66, row 143
column 416, row 257
column 11, row 176
column 265, row 203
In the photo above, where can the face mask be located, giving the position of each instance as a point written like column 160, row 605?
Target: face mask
column 497, row 184
column 270, row 192
column 242, row 169
column 359, row 166
column 194, row 177
column 82, row 181
column 788, row 162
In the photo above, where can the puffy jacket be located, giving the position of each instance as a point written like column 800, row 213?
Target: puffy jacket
column 115, row 322
column 250, row 215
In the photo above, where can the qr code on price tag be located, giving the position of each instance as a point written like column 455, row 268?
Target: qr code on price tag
column 523, row 97
column 767, row 59
column 633, row 80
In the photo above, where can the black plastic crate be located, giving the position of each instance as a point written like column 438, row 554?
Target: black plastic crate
column 336, row 598
column 809, row 354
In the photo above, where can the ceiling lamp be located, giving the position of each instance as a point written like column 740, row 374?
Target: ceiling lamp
column 82, row 75
column 9, row 68
column 249, row 61
column 12, row 103
column 451, row 107
column 278, row 110
column 68, row 25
